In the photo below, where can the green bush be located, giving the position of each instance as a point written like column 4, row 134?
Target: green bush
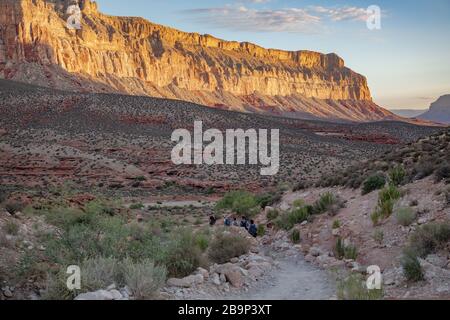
column 143, row 278
column 295, row 236
column 342, row 251
column 98, row 273
column 405, row 216
column 354, row 288
column 378, row 236
column 268, row 199
column 261, row 230
column 372, row 183
column 326, row 202
column 184, row 255
column 298, row 203
column 272, row 215
column 336, row 224
column 240, row 202
column 428, row 238
column 226, row 246
column 137, row 206
column 386, row 200
column 397, row 175
column 412, row 269
column 11, row 228
column 296, row 216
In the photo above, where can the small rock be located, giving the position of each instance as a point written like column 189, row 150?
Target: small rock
column 335, row 232
column 234, row 260
column 422, row 221
column 7, row 293
column 111, row 287
column 235, row 278
column 116, row 294
column 96, row 296
column 186, row 282
column 315, row 252
column 215, row 278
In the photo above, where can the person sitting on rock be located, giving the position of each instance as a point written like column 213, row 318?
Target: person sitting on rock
column 212, row 221
column 227, row 222
column 244, row 223
column 235, row 222
column 253, row 229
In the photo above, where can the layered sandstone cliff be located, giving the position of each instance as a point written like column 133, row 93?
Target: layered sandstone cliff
column 135, row 56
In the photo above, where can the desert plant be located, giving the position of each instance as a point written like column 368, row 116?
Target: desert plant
column 345, row 251
column 354, row 288
column 99, row 272
column 412, row 269
column 428, row 238
column 405, row 216
column 397, row 175
column 11, row 227
column 295, row 236
column 298, row 203
column 372, row 183
column 143, row 278
column 184, row 255
column 288, row 220
column 378, row 236
column 137, row 206
column 268, row 199
column 241, row 202
column 272, row 215
column 226, row 246
column 261, row 230
column 336, row 224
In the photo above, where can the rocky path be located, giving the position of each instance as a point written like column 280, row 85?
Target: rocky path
column 293, row 279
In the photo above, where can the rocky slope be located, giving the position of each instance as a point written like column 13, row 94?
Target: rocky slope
column 439, row 111
column 134, row 56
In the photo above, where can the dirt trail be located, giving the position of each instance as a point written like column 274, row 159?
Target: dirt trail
column 293, row 279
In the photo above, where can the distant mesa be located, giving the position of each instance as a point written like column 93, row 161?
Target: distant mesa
column 137, row 57
column 439, row 111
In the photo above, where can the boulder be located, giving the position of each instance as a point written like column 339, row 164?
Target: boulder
column 96, row 295
column 235, row 278
column 186, row 282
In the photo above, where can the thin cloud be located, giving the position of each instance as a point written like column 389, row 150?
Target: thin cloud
column 307, row 20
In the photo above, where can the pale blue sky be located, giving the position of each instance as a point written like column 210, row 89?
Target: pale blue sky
column 407, row 62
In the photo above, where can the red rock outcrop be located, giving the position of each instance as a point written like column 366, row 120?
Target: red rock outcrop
column 135, row 56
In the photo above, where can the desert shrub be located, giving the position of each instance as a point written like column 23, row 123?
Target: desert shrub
column 336, row 224
column 354, row 288
column 423, row 169
column 11, row 227
column 202, row 241
column 442, row 173
column 295, row 236
column 345, row 251
column 261, row 230
column 183, row 254
column 272, row 215
column 289, row 219
column 405, row 216
column 268, row 199
column 412, row 269
column 428, row 238
column 327, row 202
column 99, row 272
column 241, row 202
column 386, row 200
column 14, row 206
column 372, row 183
column 143, row 278
column 298, row 203
column 397, row 175
column 226, row 246
column 378, row 236
column 137, row 206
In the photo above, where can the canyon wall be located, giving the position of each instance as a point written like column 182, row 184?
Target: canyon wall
column 134, row 56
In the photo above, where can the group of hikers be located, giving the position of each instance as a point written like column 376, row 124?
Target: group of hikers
column 249, row 225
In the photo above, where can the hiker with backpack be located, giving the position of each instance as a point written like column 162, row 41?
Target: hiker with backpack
column 253, row 229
